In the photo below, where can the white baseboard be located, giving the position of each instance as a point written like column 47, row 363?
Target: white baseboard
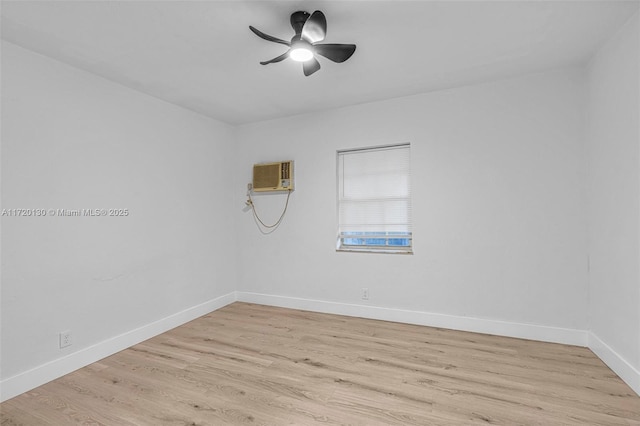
column 618, row 364
column 42, row 374
column 477, row 325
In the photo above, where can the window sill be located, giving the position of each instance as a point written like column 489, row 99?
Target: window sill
column 374, row 250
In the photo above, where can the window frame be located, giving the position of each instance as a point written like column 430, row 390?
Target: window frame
column 364, row 248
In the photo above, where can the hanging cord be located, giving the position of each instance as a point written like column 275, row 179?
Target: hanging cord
column 255, row 213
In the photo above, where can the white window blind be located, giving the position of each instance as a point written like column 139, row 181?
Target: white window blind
column 374, row 199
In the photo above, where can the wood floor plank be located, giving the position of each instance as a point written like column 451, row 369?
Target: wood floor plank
column 254, row 364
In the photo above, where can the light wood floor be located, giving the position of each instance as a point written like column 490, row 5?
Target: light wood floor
column 252, row 364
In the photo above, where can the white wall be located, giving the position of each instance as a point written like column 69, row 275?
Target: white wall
column 499, row 209
column 613, row 152
column 71, row 140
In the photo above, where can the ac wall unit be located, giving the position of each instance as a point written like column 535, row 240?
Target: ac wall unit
column 273, row 176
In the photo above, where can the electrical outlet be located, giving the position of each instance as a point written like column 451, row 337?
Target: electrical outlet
column 365, row 293
column 65, row 339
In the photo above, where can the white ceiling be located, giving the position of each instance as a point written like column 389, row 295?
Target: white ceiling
column 201, row 54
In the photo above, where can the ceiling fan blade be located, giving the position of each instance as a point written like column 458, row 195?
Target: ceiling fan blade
column 315, row 29
column 310, row 66
column 268, row 37
column 335, row 52
column 276, row 59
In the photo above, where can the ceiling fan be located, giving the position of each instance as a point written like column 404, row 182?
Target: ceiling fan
column 304, row 45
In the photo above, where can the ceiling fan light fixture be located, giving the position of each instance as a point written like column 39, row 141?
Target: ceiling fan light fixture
column 305, row 46
column 300, row 51
column 301, row 55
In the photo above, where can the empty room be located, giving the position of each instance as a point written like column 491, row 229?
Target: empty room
column 320, row 212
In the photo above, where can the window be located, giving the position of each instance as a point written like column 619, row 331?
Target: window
column 374, row 200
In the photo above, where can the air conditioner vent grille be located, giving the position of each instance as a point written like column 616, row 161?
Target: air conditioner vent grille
column 265, row 176
column 285, row 170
